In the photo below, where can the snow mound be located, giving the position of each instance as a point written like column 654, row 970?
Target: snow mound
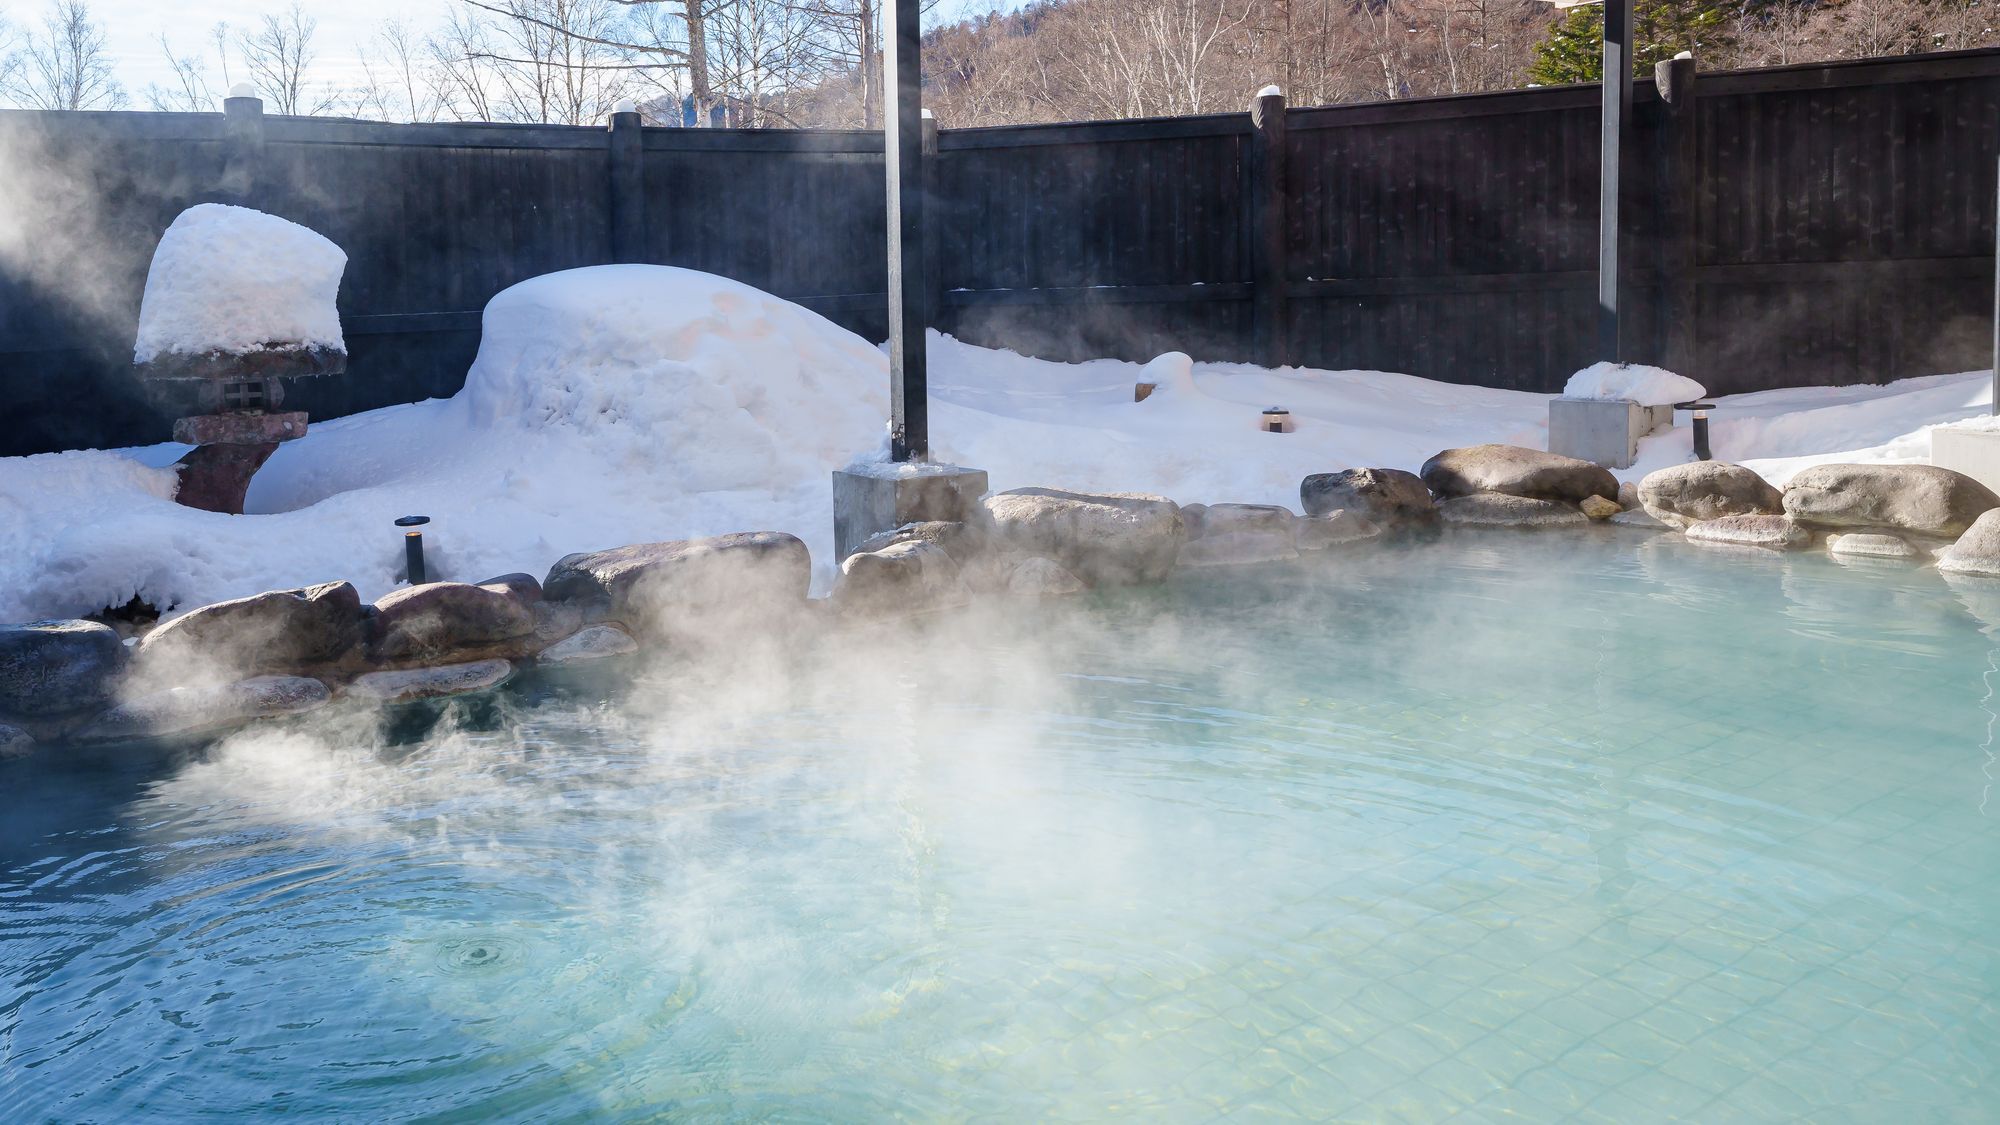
column 231, row 280
column 691, row 381
column 1647, row 386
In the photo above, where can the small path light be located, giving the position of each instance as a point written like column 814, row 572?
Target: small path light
column 1701, row 410
column 413, row 547
column 1276, row 420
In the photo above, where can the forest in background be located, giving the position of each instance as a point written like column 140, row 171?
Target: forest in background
column 817, row 63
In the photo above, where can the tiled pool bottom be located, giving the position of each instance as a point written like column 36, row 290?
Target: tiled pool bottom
column 1611, row 830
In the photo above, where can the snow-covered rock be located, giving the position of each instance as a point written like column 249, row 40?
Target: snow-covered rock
column 1647, row 386
column 232, row 280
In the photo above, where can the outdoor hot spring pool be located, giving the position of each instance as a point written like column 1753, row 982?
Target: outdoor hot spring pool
column 1619, row 829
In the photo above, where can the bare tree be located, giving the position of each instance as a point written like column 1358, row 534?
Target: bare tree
column 399, row 82
column 189, row 92
column 63, row 66
column 279, row 56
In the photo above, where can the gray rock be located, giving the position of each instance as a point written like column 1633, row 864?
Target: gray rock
column 1041, row 578
column 1516, row 471
column 277, row 631
column 599, row 642
column 1776, row 533
column 407, row 685
column 526, row 588
column 1920, row 498
column 907, row 577
column 1335, row 528
column 206, row 709
column 1863, row 544
column 1384, row 497
column 690, row 585
column 554, row 621
column 49, row 667
column 959, row 540
column 1706, row 490
column 1499, row 509
column 15, row 742
column 1102, row 538
column 1628, row 495
column 1238, row 548
column 1977, row 552
column 437, row 619
column 1205, row 520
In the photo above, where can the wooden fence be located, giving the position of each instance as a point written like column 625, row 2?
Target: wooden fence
column 1823, row 224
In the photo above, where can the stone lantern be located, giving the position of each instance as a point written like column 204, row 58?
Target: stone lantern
column 237, row 302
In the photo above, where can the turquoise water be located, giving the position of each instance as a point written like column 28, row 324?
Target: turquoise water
column 1611, row 830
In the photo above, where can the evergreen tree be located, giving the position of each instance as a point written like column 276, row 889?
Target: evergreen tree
column 1661, row 29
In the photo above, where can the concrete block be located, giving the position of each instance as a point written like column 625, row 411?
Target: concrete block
column 1603, row 431
column 871, row 499
column 1976, row 453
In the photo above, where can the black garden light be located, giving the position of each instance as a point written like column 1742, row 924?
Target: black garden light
column 1276, row 420
column 413, row 547
column 1700, row 410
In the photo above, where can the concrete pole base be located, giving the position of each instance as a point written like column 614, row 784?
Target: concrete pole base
column 1603, row 431
column 871, row 499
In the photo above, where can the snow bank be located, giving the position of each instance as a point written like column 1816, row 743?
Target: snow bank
column 230, row 279
column 621, row 404
column 1647, row 386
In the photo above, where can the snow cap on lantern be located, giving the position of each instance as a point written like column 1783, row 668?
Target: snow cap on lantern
column 234, row 292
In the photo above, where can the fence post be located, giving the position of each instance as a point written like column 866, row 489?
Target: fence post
column 628, row 184
column 243, row 128
column 1267, row 230
column 1677, row 187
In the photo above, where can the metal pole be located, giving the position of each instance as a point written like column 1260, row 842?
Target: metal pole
column 902, row 156
column 1617, row 114
column 1994, row 406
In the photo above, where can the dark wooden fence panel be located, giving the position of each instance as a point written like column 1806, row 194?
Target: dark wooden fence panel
column 1819, row 224
column 1073, row 242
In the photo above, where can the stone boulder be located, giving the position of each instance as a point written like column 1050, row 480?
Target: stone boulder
column 1706, row 490
column 1384, row 497
column 688, row 586
column 277, row 631
column 598, row 642
column 1639, row 519
column 1239, row 548
column 1334, row 529
column 526, row 588
column 1104, row 539
column 959, row 540
column 1207, row 520
column 1868, row 545
column 1977, row 552
column 1598, row 508
column 1515, row 471
column 907, row 577
column 1921, row 498
column 1499, row 509
column 50, row 667
column 440, row 618
column 1041, row 578
column 1775, row 533
column 407, row 685
column 206, row 709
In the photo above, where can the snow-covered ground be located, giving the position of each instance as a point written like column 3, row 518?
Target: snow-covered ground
column 622, row 404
